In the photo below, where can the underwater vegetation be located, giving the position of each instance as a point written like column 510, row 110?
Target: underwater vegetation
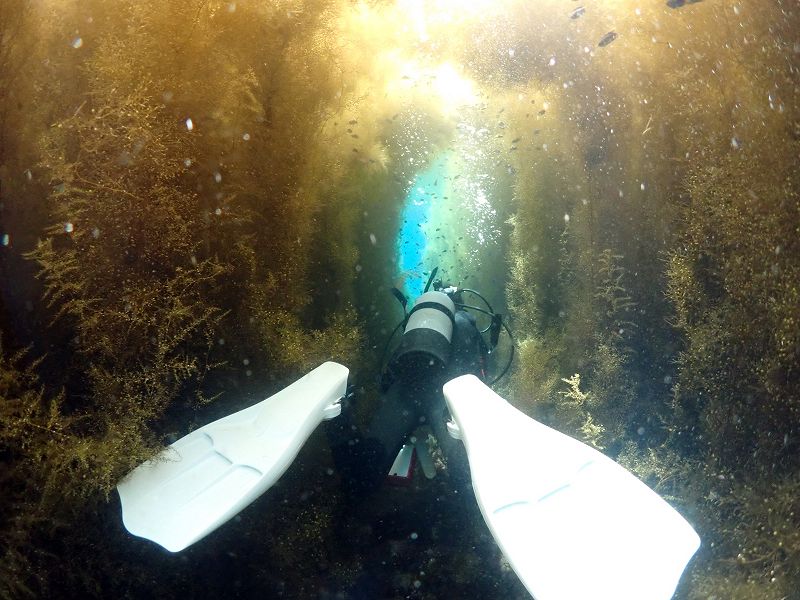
column 200, row 200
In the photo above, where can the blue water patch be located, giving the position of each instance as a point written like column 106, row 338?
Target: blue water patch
column 425, row 190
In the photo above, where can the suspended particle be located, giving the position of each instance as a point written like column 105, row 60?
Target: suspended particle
column 641, row 186
column 566, row 218
column 246, row 362
column 187, row 162
column 95, row 233
column 735, row 143
column 552, row 61
column 511, row 52
column 218, row 212
column 189, row 124
column 69, row 227
column 232, row 7
column 246, row 137
column 77, row 43
column 28, row 175
column 217, row 176
column 167, row 96
column 373, row 240
column 5, row 240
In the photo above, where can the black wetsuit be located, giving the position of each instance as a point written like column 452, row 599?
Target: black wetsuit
column 409, row 399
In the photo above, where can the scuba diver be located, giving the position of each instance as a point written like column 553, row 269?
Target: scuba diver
column 571, row 522
column 441, row 341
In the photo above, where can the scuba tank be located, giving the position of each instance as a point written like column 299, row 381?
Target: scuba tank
column 424, row 349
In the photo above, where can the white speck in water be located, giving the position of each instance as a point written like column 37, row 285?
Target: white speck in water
column 231, row 7
column 586, row 49
column 621, row 193
column 246, row 137
column 737, row 10
column 373, row 240
column 511, row 52
column 28, row 174
column 329, row 471
column 69, row 227
column 6, row 240
column 735, row 143
column 667, row 379
column 566, row 218
column 218, row 177
column 552, row 62
column 187, row 162
column 246, row 362
column 193, row 261
column 642, row 186
column 218, row 212
column 167, row 96
column 414, row 535
column 77, row 43
column 638, row 11
column 221, row 341
column 95, row 233
column 248, row 372
column 417, row 583
column 358, row 268
column 640, row 431
column 189, row 124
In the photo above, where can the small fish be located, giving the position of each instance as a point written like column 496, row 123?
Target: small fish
column 353, row 122
column 679, row 3
column 607, row 38
column 541, row 112
column 515, row 141
column 577, row 13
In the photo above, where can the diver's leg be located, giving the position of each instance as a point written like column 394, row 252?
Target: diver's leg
column 364, row 457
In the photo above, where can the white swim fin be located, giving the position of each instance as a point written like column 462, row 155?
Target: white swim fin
column 572, row 523
column 204, row 479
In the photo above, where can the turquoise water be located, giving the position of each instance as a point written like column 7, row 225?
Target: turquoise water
column 412, row 244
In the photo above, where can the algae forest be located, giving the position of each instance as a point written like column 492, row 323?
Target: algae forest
column 202, row 200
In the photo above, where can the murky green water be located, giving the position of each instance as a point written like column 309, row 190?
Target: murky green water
column 202, row 201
